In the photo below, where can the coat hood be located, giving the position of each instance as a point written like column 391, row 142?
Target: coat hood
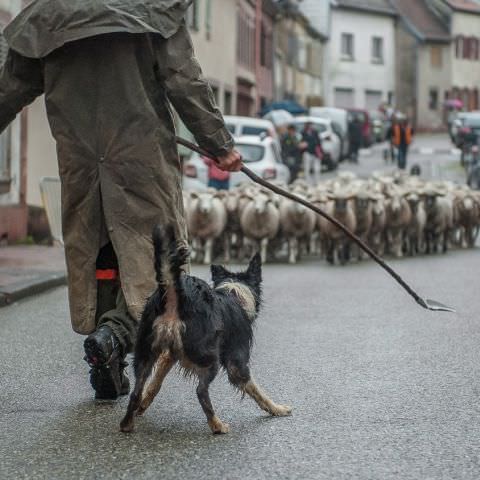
column 46, row 25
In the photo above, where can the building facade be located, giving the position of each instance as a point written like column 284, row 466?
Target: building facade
column 299, row 56
column 361, row 54
column 462, row 20
column 423, row 64
column 213, row 25
column 13, row 162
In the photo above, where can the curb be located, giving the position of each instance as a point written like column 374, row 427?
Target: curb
column 23, row 289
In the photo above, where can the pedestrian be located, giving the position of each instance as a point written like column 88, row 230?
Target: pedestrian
column 355, row 128
column 402, row 138
column 312, row 154
column 108, row 70
column 292, row 147
column 217, row 178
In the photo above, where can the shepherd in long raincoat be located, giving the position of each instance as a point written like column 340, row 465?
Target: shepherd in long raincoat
column 109, row 70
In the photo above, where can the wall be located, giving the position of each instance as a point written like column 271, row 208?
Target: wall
column 217, row 53
column 432, row 77
column 465, row 73
column 360, row 74
column 406, row 72
column 41, row 151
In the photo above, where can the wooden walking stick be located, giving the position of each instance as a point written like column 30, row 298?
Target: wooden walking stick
column 428, row 304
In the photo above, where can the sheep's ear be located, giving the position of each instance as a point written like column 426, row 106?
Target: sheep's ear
column 221, row 194
column 194, row 195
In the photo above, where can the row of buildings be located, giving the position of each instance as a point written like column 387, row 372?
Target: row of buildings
column 411, row 54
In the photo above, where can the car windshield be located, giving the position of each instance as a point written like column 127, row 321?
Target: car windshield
column 250, row 153
column 319, row 127
column 473, row 122
column 249, row 130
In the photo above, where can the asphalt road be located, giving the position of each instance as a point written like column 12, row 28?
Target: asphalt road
column 381, row 389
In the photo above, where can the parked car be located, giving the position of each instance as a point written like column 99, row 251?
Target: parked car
column 331, row 144
column 466, row 125
column 241, row 126
column 260, row 153
column 366, row 126
column 339, row 118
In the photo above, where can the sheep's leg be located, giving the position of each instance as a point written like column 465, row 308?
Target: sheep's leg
column 292, row 248
column 263, row 249
column 207, row 259
column 227, row 248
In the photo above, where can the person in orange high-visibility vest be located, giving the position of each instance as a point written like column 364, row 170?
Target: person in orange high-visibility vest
column 402, row 136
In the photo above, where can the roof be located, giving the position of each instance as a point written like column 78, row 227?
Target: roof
column 381, row 7
column 464, row 5
column 421, row 21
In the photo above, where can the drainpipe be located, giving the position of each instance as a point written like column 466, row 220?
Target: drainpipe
column 258, row 36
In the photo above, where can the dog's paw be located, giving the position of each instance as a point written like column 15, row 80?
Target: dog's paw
column 281, row 411
column 127, row 425
column 218, row 427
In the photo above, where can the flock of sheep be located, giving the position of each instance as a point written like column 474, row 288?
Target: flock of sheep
column 395, row 215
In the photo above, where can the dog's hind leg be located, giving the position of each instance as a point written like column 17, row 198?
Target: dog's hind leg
column 240, row 377
column 161, row 369
column 128, row 422
column 206, row 378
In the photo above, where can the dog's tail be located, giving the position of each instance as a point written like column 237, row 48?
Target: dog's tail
column 170, row 258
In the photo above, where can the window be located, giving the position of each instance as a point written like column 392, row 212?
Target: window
column 474, row 48
column 227, row 106
column 433, row 99
column 377, row 50
column 292, row 49
column 266, row 50
column 347, row 46
column 436, row 56
column 192, row 15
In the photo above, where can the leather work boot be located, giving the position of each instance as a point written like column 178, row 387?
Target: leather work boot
column 103, row 353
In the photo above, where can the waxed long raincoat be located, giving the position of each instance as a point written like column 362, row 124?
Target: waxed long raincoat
column 108, row 70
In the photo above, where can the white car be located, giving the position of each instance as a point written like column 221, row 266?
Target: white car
column 339, row 118
column 260, row 154
column 242, row 126
column 331, row 144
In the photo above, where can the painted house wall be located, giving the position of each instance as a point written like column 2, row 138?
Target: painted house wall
column 432, row 77
column 360, row 75
column 13, row 210
column 465, row 72
column 215, row 46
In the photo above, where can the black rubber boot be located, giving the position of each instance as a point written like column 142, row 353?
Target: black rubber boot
column 103, row 354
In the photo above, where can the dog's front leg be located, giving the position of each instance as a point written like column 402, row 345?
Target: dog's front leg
column 206, row 378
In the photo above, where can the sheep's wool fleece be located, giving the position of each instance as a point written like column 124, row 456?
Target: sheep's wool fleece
column 108, row 103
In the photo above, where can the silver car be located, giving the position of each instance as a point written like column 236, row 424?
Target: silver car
column 260, row 154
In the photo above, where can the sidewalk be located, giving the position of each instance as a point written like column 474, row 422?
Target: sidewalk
column 28, row 270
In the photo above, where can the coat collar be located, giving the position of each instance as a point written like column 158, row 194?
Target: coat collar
column 45, row 25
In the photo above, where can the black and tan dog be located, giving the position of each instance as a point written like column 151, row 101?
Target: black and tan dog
column 199, row 327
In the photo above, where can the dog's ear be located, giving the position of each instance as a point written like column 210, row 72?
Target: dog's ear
column 255, row 267
column 218, row 272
